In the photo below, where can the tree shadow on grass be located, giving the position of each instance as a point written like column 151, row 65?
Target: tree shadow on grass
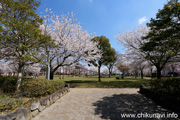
column 112, row 107
column 105, row 84
column 81, row 81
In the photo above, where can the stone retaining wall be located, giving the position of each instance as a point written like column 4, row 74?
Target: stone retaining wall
column 167, row 101
column 31, row 111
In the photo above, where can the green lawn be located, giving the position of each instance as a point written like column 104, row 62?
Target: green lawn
column 106, row 82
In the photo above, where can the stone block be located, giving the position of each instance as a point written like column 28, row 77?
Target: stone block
column 41, row 108
column 48, row 103
column 20, row 117
column 11, row 116
column 34, row 113
column 27, row 113
column 23, row 114
column 35, row 106
column 3, row 116
column 50, row 100
column 44, row 101
column 20, row 114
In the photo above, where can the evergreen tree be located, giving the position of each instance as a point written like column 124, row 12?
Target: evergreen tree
column 111, row 60
column 163, row 38
column 20, row 36
column 105, row 47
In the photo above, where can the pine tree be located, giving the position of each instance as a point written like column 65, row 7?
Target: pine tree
column 20, row 36
column 163, row 38
column 104, row 46
column 111, row 60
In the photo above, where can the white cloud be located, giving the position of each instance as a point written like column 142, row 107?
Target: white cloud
column 90, row 1
column 142, row 20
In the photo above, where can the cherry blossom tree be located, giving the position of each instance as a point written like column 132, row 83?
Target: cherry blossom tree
column 33, row 69
column 118, row 59
column 132, row 41
column 7, row 68
column 95, row 69
column 106, row 71
column 172, row 66
column 124, row 68
column 140, row 66
column 71, row 42
column 12, row 68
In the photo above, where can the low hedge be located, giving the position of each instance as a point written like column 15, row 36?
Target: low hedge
column 8, row 84
column 40, row 87
column 167, row 86
column 30, row 87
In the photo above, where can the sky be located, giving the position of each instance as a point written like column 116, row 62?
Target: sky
column 106, row 17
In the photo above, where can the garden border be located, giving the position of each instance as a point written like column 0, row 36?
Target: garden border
column 26, row 113
column 164, row 100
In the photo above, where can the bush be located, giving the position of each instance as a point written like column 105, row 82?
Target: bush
column 40, row 87
column 8, row 84
column 167, row 86
column 30, row 87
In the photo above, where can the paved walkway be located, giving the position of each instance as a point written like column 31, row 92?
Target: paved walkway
column 98, row 104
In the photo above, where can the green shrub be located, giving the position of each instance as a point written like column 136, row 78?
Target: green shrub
column 40, row 87
column 167, row 86
column 8, row 83
column 30, row 87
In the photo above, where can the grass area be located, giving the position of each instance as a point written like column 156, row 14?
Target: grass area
column 106, row 82
column 9, row 102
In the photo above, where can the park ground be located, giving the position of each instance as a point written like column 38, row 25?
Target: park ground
column 106, row 82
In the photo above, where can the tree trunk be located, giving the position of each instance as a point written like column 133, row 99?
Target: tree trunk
column 99, row 73
column 60, row 73
column 158, row 73
column 142, row 75
column 136, row 74
column 109, row 72
column 51, row 75
column 151, row 71
column 173, row 69
column 122, row 75
column 19, row 78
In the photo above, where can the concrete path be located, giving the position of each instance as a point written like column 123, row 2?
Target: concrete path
column 100, row 103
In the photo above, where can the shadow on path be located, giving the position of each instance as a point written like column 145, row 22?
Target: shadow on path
column 112, row 107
